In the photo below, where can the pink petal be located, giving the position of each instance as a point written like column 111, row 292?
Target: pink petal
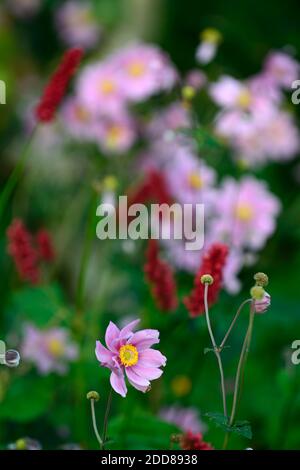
column 138, row 387
column 117, row 382
column 137, row 379
column 111, row 335
column 150, row 373
column 127, row 330
column 144, row 339
column 152, row 358
column 104, row 356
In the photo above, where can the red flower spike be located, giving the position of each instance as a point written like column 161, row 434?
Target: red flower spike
column 21, row 249
column 161, row 278
column 57, row 85
column 190, row 441
column 213, row 263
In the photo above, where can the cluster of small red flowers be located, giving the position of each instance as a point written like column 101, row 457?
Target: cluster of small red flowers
column 160, row 275
column 153, row 188
column 27, row 251
column 190, row 441
column 213, row 263
column 56, row 87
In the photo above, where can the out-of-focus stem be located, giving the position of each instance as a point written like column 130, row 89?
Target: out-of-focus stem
column 216, row 349
column 15, row 174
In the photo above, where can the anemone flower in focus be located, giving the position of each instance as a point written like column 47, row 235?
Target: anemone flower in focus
column 131, row 354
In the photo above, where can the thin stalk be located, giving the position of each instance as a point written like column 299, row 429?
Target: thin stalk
column 216, row 349
column 89, row 234
column 233, row 323
column 95, row 424
column 241, row 364
column 15, row 174
column 105, row 422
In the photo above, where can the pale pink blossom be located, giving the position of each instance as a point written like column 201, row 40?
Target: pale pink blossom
column 78, row 120
column 282, row 68
column 186, row 419
column 77, row 24
column 116, row 135
column 261, row 306
column 50, row 350
column 130, row 354
column 246, row 213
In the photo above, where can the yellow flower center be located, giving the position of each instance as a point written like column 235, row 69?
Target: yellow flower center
column 129, row 355
column 55, row 347
column 113, row 136
column 136, row 69
column 107, row 86
column 244, row 99
column 244, row 212
column 195, row 181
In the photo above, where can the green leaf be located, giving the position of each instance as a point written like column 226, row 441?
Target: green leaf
column 242, row 428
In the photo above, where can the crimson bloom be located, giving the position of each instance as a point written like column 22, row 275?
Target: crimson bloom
column 160, row 276
column 56, row 87
column 131, row 354
column 190, row 441
column 22, row 250
column 213, row 263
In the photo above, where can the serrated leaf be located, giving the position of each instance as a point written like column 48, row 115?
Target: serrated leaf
column 242, row 428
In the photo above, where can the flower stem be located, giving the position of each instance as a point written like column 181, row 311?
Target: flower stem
column 233, row 323
column 216, row 349
column 15, row 174
column 95, row 424
column 105, row 423
column 242, row 361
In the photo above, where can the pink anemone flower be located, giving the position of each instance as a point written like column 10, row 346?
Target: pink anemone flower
column 131, row 354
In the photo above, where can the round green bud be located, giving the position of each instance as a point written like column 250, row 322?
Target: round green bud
column 207, row 279
column 92, row 395
column 21, row 444
column 257, row 292
column 188, row 93
column 261, row 279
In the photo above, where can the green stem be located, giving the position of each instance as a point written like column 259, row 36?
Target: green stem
column 233, row 323
column 95, row 424
column 105, row 423
column 15, row 174
column 242, row 361
column 216, row 349
column 86, row 252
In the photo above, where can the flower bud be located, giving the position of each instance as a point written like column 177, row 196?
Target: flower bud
column 261, row 279
column 261, row 306
column 92, row 395
column 21, row 444
column 188, row 92
column 257, row 292
column 207, row 279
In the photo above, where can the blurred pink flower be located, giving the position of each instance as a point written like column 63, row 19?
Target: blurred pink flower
column 196, row 79
column 116, row 135
column 186, row 419
column 24, row 8
column 144, row 70
column 189, row 179
column 130, row 354
column 49, row 350
column 282, row 68
column 261, row 306
column 230, row 93
column 77, row 24
column 78, row 120
column 245, row 213
column 99, row 89
column 167, row 120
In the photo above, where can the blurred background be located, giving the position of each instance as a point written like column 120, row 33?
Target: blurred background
column 235, row 140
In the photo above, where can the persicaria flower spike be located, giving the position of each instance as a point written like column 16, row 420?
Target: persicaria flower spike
column 56, row 88
column 23, row 252
column 128, row 353
column 44, row 245
column 190, row 441
column 213, row 263
column 161, row 278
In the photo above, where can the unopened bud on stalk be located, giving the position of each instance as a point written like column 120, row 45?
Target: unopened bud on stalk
column 257, row 292
column 188, row 93
column 207, row 279
column 92, row 395
column 261, row 279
